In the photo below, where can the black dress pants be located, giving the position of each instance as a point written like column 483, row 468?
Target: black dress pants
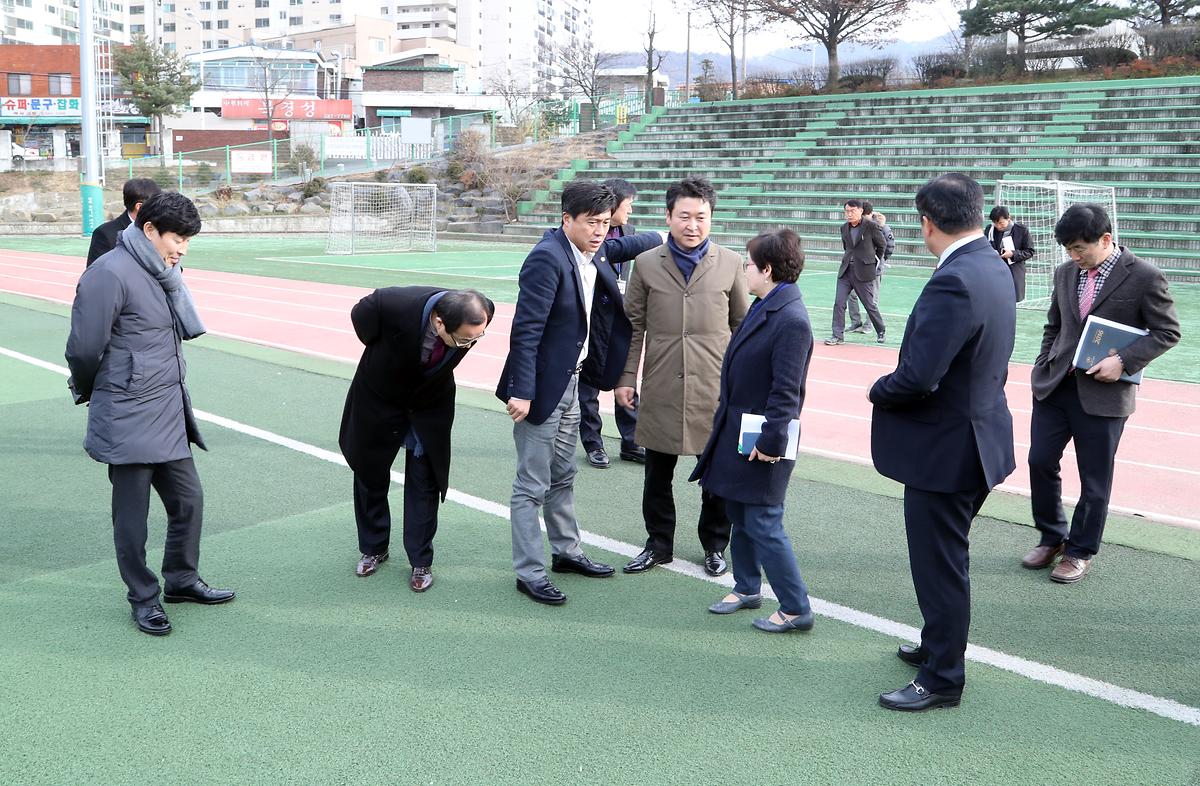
column 938, row 525
column 658, row 509
column 1057, row 419
column 421, row 500
column 178, row 486
column 590, row 422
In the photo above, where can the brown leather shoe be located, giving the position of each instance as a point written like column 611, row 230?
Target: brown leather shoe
column 369, row 564
column 1070, row 570
column 421, row 580
column 1042, row 556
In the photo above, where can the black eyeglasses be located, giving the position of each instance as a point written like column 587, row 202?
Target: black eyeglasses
column 466, row 343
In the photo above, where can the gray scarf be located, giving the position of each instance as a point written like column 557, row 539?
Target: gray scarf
column 187, row 321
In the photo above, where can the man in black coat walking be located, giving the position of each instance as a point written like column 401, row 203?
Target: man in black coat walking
column 104, row 237
column 403, row 396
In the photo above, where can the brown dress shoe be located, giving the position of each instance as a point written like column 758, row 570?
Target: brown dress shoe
column 421, row 580
column 369, row 564
column 1070, row 570
column 1042, row 556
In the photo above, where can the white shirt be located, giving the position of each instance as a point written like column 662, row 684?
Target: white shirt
column 950, row 249
column 587, row 272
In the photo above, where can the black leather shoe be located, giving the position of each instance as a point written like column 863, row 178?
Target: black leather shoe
column 598, row 458
column 636, row 454
column 198, row 592
column 151, row 619
column 912, row 654
column 914, row 698
column 580, row 564
column 542, row 591
column 714, row 563
column 645, row 561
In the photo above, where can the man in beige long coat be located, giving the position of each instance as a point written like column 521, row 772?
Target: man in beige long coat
column 684, row 300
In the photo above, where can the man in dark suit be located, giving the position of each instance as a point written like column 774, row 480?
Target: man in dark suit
column 1089, row 407
column 569, row 321
column 589, row 397
column 863, row 245
column 104, row 237
column 403, row 396
column 941, row 426
column 1013, row 243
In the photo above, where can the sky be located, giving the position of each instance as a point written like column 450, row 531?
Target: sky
column 619, row 26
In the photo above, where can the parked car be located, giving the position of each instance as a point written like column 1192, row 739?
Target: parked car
column 20, row 152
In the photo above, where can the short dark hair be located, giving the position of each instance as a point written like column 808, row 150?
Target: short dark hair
column 622, row 189
column 138, row 190
column 852, row 203
column 691, row 187
column 464, row 306
column 587, row 198
column 1085, row 221
column 781, row 250
column 952, row 202
column 170, row 211
column 868, row 208
column 999, row 212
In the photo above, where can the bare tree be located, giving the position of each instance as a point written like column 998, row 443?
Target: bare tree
column 518, row 100
column 581, row 66
column 834, row 22
column 730, row 19
column 512, row 175
column 268, row 79
column 654, row 58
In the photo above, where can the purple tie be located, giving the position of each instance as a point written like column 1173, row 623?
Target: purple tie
column 1089, row 293
column 436, row 354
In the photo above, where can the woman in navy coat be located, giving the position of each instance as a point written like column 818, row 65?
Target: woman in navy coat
column 763, row 373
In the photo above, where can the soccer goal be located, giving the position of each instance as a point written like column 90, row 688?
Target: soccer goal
column 1038, row 204
column 377, row 217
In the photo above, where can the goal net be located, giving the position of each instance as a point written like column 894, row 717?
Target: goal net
column 1038, row 205
column 375, row 217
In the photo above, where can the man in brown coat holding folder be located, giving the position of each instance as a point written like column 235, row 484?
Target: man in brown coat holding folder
column 1088, row 406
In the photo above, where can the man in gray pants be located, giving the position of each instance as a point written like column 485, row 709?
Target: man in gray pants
column 130, row 313
column 569, row 321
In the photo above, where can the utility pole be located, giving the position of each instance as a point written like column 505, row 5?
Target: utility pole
column 745, row 20
column 687, row 69
column 91, row 190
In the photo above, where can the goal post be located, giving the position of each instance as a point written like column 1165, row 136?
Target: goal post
column 1038, row 204
column 379, row 217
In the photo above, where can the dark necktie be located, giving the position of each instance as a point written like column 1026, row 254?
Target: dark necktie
column 436, row 354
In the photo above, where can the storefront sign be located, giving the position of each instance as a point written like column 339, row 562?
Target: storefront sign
column 11, row 106
column 288, row 109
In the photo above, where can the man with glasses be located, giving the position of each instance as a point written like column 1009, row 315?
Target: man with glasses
column 403, row 396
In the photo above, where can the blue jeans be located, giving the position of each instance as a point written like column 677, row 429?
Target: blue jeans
column 759, row 544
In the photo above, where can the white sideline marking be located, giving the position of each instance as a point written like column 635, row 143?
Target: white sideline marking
column 1038, row 672
column 389, row 269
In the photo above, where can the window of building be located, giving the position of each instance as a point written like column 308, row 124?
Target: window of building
column 262, row 3
column 295, row 20
column 206, row 45
column 222, row 24
column 262, row 22
column 52, row 10
column 169, row 27
column 60, row 84
column 118, row 26
column 223, row 43
column 25, row 3
column 137, row 9
column 205, row 5
column 335, row 17
column 206, row 25
column 24, row 24
column 168, row 8
column 384, row 11
column 377, row 46
column 168, row 47
column 222, row 5
column 283, row 15
column 136, row 29
column 20, row 84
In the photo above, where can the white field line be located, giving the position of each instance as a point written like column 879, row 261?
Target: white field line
column 1038, row 672
column 387, row 269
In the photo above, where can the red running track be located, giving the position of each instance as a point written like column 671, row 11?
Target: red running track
column 1158, row 466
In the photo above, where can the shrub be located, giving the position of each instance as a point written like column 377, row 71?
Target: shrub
column 166, row 178
column 454, row 170
column 417, row 174
column 381, row 175
column 224, row 192
column 938, row 66
column 1105, row 57
column 469, row 147
column 304, row 156
column 992, row 62
column 204, row 174
column 314, row 187
column 1173, row 41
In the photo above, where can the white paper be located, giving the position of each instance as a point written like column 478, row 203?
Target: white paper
column 754, row 423
column 1006, row 244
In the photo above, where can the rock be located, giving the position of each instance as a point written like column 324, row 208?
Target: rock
column 236, row 209
column 45, row 218
column 295, row 196
column 287, row 208
column 17, row 216
column 263, row 207
column 254, row 194
column 313, row 200
column 312, row 210
column 207, row 209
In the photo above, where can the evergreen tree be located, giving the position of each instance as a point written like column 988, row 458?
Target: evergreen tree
column 1038, row 20
column 159, row 82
